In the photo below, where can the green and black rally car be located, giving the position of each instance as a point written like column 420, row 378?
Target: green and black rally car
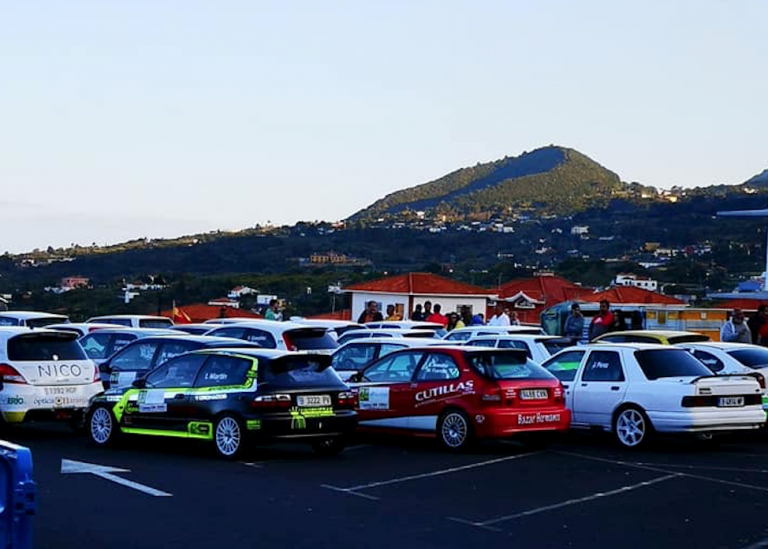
column 231, row 397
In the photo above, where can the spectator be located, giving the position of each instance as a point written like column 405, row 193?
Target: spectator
column 417, row 313
column 619, row 321
column 602, row 322
column 427, row 309
column 437, row 317
column 478, row 319
column 574, row 324
column 500, row 318
column 273, row 312
column 757, row 321
column 736, row 330
column 392, row 314
column 513, row 320
column 370, row 314
column 466, row 316
column 454, row 322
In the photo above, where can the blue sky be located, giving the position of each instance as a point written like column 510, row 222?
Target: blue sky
column 160, row 118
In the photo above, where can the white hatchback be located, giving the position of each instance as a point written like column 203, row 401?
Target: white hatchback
column 634, row 390
column 44, row 375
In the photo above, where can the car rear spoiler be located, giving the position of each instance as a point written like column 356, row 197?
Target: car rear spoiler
column 755, row 375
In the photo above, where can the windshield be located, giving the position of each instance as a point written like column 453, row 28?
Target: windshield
column 507, row 365
column 554, row 346
column 155, row 323
column 660, row 363
column 32, row 347
column 42, row 322
column 8, row 321
column 690, row 338
column 310, row 339
column 299, row 371
column 754, row 358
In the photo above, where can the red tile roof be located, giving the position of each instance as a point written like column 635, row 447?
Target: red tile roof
column 200, row 312
column 420, row 284
column 630, row 294
column 343, row 314
column 745, row 304
column 549, row 289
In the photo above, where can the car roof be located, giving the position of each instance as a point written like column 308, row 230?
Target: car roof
column 518, row 337
column 406, row 324
column 619, row 346
column 140, row 317
column 149, row 332
column 725, row 345
column 24, row 315
column 654, row 333
column 319, row 322
column 89, row 325
column 269, row 354
column 204, row 339
column 8, row 332
column 407, row 341
column 269, row 325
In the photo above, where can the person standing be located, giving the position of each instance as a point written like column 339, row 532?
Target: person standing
column 454, row 322
column 427, row 309
column 602, row 322
column 736, row 330
column 370, row 314
column 417, row 314
column 437, row 317
column 513, row 320
column 392, row 314
column 466, row 316
column 574, row 324
column 500, row 318
column 757, row 321
column 273, row 312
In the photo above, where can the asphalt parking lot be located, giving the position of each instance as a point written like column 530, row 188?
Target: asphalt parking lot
column 581, row 491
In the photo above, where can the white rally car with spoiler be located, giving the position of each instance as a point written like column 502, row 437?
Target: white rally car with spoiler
column 44, row 375
column 637, row 390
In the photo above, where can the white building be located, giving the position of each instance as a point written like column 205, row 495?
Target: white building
column 642, row 282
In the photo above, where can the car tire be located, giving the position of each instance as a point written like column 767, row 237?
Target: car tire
column 228, row 437
column 101, row 427
column 454, row 430
column 329, row 447
column 632, row 428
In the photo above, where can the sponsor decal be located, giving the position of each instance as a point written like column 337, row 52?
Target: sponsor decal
column 373, row 398
column 152, row 401
column 153, row 408
column 533, row 419
column 220, row 396
column 297, row 420
column 60, row 402
column 200, row 429
column 450, row 390
column 253, row 424
column 299, row 415
column 59, row 370
column 13, row 401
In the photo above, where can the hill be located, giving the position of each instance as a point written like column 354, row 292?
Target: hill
column 760, row 179
column 553, row 180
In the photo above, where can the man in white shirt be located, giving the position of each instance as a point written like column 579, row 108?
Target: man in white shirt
column 500, row 318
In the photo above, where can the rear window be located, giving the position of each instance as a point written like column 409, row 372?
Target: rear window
column 311, row 339
column 7, row 321
column 155, row 323
column 507, row 365
column 42, row 322
column 28, row 348
column 674, row 340
column 299, row 371
column 554, row 346
column 116, row 321
column 754, row 358
column 660, row 363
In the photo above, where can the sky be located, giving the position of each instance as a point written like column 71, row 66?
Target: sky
column 158, row 118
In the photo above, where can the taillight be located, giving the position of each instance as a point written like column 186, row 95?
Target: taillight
column 492, row 396
column 288, row 343
column 96, row 374
column 760, row 379
column 271, row 402
column 346, row 400
column 9, row 374
column 558, row 394
column 694, row 401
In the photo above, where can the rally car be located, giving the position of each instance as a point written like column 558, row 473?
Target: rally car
column 460, row 394
column 230, row 397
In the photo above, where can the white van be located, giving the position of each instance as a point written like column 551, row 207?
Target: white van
column 30, row 319
column 134, row 321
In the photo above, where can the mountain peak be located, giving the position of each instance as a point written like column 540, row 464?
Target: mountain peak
column 759, row 179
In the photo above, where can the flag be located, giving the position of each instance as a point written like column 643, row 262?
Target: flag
column 179, row 316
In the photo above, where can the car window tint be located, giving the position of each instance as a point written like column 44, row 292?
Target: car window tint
column 459, row 336
column 170, row 349
column 507, row 365
column 387, row 348
column 221, row 371
column 177, row 372
column 554, row 346
column 688, row 338
column 353, row 357
column 44, row 347
column 299, row 371
column 603, row 366
column 438, row 367
column 565, row 366
column 506, row 344
column 43, row 322
column 237, row 333
column 155, row 323
column 116, row 321
column 709, row 360
column 6, row 321
column 95, row 345
column 755, row 357
column 260, row 337
column 121, row 340
column 137, row 356
column 394, row 369
column 660, row 363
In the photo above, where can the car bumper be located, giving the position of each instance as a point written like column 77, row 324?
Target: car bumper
column 695, row 421
column 20, row 403
column 301, row 426
column 505, row 423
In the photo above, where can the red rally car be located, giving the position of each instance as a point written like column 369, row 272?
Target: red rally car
column 459, row 394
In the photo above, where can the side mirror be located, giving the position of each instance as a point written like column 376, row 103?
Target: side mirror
column 104, row 368
column 140, row 383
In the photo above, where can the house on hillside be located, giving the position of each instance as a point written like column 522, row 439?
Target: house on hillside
column 225, row 302
column 629, row 279
column 528, row 297
column 407, row 290
column 239, row 291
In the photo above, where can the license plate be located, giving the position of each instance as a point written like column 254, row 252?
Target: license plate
column 534, row 394
column 313, row 401
column 730, row 401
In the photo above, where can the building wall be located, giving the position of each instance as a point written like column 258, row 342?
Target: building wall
column 448, row 303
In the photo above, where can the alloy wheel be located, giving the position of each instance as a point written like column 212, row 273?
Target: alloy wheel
column 228, row 436
column 454, row 430
column 101, row 425
column 631, row 427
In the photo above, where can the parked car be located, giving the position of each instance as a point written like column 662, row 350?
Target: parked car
column 193, row 329
column 404, row 325
column 539, row 348
column 636, row 390
column 663, row 337
column 232, row 398
column 44, row 375
column 30, row 319
column 336, row 328
column 460, row 394
column 355, row 355
column 80, row 328
column 469, row 332
column 134, row 321
column 143, row 355
column 287, row 336
column 103, row 343
column 228, row 320
column 392, row 332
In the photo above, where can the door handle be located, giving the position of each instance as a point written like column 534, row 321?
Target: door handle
column 178, row 396
column 615, row 388
column 583, row 384
column 414, row 385
column 566, row 387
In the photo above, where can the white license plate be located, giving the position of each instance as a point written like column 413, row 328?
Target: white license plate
column 730, row 402
column 313, row 401
column 534, row 394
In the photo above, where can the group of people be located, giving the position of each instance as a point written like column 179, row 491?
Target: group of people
column 603, row 322
column 429, row 312
column 740, row 330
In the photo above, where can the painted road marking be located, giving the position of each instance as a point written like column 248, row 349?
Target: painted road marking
column 355, row 490
column 487, row 524
column 69, row 466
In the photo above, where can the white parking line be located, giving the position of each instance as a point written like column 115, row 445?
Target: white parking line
column 704, row 467
column 487, row 524
column 355, row 490
column 660, row 470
